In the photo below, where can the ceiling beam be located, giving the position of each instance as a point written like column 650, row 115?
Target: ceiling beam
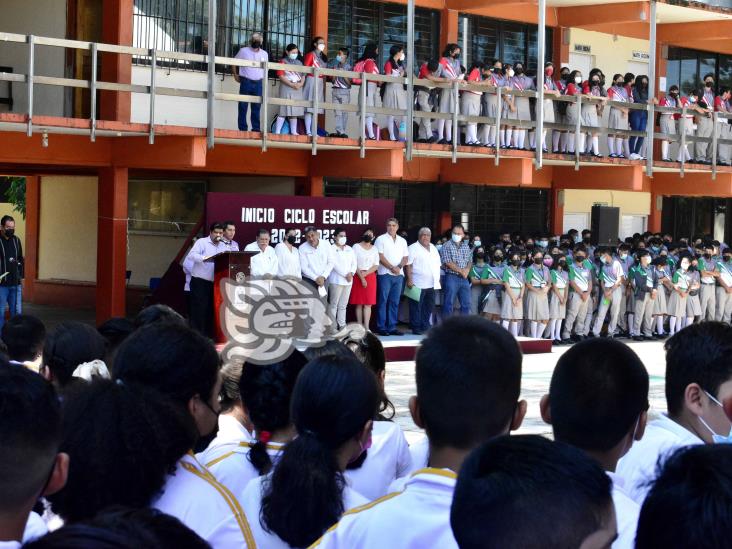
column 626, row 12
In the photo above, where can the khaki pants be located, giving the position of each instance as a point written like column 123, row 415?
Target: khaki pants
column 622, row 318
column 613, row 305
column 644, row 315
column 704, row 128
column 724, row 305
column 425, row 124
column 338, row 302
column 576, row 314
column 341, row 97
column 725, row 151
column 708, row 300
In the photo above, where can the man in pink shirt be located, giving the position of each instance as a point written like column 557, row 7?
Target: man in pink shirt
column 250, row 80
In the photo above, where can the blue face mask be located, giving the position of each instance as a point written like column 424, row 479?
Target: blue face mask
column 718, row 439
column 543, row 243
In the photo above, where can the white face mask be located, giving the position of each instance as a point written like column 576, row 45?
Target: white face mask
column 510, row 73
column 293, row 56
column 457, row 238
column 577, row 79
column 684, row 265
column 321, row 47
column 341, row 240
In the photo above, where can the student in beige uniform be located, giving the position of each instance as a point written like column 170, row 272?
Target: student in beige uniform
column 460, row 407
column 333, row 405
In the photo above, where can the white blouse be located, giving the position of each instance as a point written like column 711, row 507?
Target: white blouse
column 365, row 259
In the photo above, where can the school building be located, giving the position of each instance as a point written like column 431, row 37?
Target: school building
column 116, row 178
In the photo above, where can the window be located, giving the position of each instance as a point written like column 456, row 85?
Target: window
column 490, row 39
column 500, row 209
column 688, row 67
column 168, row 207
column 182, row 25
column 354, row 23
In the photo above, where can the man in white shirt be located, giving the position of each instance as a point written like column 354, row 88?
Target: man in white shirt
column 468, row 375
column 30, row 431
column 597, row 402
column 698, row 381
column 316, row 259
column 201, row 311
column 423, row 271
column 265, row 262
column 288, row 257
column 393, row 255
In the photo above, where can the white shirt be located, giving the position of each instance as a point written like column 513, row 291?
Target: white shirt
column 627, row 512
column 288, row 260
column 365, row 259
column 252, row 504
column 315, row 262
column 230, row 432
column 662, row 436
column 344, row 262
column 203, row 248
column 231, row 245
column 394, row 250
column 264, row 263
column 9, row 545
column 387, row 460
column 252, row 247
column 35, row 527
column 426, row 265
column 419, row 452
column 206, row 506
column 187, row 267
column 416, row 518
column 230, row 464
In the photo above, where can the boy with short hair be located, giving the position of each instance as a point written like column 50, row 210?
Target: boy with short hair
column 597, row 402
column 698, row 381
column 30, row 434
column 529, row 492
column 24, row 336
column 689, row 503
column 468, row 384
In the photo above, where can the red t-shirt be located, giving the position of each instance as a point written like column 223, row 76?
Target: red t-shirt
column 312, row 60
column 573, row 89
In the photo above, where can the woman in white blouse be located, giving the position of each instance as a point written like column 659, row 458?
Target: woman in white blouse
column 363, row 291
column 288, row 257
column 340, row 278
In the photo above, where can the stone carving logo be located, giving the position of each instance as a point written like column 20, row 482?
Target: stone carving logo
column 265, row 319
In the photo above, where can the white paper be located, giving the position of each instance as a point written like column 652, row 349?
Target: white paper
column 662, row 84
column 322, row 291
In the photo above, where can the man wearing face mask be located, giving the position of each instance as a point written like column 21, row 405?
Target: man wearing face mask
column 645, row 282
column 288, row 257
column 11, row 258
column 578, row 305
column 457, row 259
column 202, row 277
column 250, row 80
column 704, row 122
column 708, row 277
column 612, row 284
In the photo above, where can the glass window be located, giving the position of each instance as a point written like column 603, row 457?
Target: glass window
column 171, row 207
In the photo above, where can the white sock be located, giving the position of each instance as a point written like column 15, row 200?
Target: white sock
column 552, row 323
column 564, row 138
column 631, row 323
column 503, row 137
column 570, row 143
column 556, row 140
column 596, row 144
column 544, row 144
column 514, row 328
column 521, row 138
column 689, row 321
column 440, row 129
column 532, row 140
column 664, row 149
column 509, row 134
column 308, row 123
column 611, row 144
column 505, row 324
column 626, row 147
column 659, row 325
column 390, row 125
column 672, row 325
column 558, row 330
column 293, row 126
column 491, row 136
column 618, row 145
column 448, row 131
column 370, row 126
column 279, row 123
column 534, row 329
column 582, row 142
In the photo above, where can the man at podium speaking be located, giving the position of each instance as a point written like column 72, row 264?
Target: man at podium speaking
column 265, row 262
column 202, row 278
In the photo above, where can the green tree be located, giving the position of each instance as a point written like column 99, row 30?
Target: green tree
column 16, row 193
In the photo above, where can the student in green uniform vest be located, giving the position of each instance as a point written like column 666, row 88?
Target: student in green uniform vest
column 677, row 302
column 538, row 285
column 724, row 290
column 580, row 283
column 493, row 279
column 645, row 281
column 512, row 309
column 478, row 289
column 558, row 298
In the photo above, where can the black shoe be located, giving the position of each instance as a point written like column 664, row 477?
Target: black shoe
column 567, row 341
column 381, row 333
column 591, row 336
column 442, row 142
column 557, row 342
column 638, row 338
column 343, row 136
column 396, row 333
column 421, row 140
column 432, row 139
column 660, row 336
column 417, row 332
column 647, row 338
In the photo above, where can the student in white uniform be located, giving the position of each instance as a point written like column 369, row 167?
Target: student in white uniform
column 459, row 407
column 689, row 504
column 698, row 380
column 333, row 405
column 184, row 365
column 288, row 257
column 388, row 458
column 340, row 279
column 597, row 402
column 265, row 263
column 31, row 464
column 527, row 491
column 265, row 391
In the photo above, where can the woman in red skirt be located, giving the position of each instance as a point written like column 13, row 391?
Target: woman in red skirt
column 363, row 292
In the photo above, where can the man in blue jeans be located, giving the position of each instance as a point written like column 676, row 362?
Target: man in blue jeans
column 250, row 80
column 393, row 255
column 457, row 258
column 11, row 267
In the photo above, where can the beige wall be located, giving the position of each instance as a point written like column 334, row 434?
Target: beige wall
column 630, row 203
column 67, row 247
column 610, row 55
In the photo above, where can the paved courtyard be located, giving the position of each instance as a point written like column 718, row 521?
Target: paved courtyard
column 537, row 371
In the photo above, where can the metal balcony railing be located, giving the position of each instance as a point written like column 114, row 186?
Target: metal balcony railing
column 265, row 139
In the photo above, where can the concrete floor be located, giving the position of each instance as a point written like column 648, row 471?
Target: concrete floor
column 53, row 316
column 537, row 371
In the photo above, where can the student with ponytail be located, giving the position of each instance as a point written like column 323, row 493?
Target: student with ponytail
column 265, row 391
column 333, row 405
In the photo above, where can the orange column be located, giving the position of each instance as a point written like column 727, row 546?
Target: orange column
column 448, row 26
column 32, row 216
column 560, row 48
column 319, row 23
column 116, row 29
column 656, row 214
column 556, row 222
column 111, row 243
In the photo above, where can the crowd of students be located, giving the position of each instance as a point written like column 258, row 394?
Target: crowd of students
column 516, row 111
column 164, row 448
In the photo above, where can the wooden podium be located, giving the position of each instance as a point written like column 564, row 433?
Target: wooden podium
column 233, row 265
